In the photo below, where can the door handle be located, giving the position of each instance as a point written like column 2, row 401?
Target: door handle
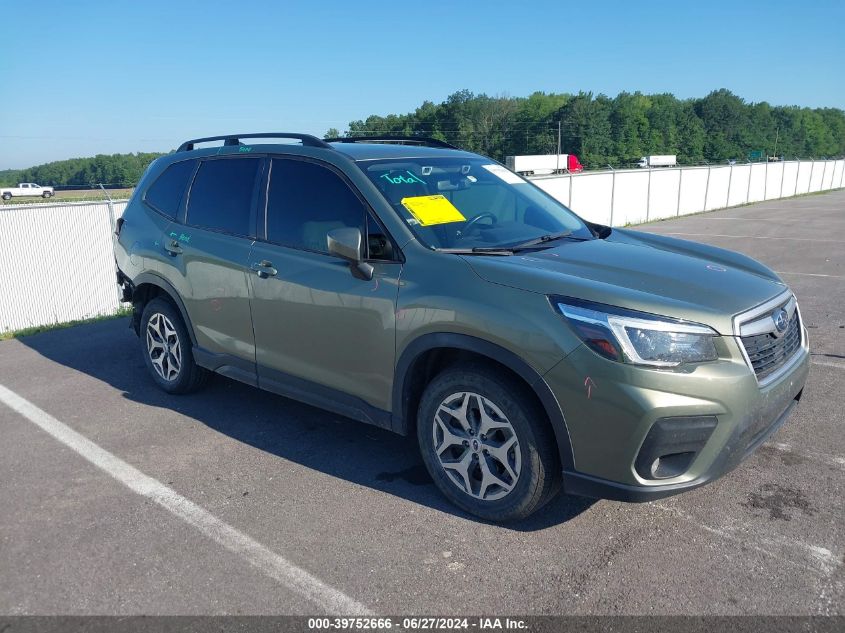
column 264, row 269
column 173, row 247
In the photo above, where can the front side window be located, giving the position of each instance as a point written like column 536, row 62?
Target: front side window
column 456, row 202
column 305, row 201
column 222, row 193
column 165, row 194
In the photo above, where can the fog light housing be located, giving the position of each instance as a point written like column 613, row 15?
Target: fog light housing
column 667, row 466
column 672, row 444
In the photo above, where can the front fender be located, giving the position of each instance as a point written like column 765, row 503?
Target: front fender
column 402, row 417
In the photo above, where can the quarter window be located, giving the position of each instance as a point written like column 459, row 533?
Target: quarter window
column 222, row 193
column 306, row 201
column 165, row 194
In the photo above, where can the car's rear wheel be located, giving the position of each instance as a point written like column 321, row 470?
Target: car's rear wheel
column 7, row 196
column 167, row 349
column 487, row 444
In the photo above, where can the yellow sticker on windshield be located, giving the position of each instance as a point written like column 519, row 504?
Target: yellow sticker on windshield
column 430, row 210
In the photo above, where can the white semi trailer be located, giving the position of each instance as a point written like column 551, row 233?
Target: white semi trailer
column 543, row 164
column 659, row 160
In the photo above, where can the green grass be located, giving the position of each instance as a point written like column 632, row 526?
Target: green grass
column 38, row 329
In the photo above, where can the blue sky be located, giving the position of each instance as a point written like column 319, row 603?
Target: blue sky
column 80, row 78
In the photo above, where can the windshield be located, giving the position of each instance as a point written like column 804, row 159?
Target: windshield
column 466, row 203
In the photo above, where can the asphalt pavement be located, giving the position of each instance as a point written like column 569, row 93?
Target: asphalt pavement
column 119, row 499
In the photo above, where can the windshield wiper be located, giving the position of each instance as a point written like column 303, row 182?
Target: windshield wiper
column 478, row 250
column 550, row 237
column 510, row 250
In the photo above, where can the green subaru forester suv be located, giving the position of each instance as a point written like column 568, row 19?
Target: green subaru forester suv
column 431, row 291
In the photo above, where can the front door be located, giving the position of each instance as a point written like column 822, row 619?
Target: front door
column 318, row 328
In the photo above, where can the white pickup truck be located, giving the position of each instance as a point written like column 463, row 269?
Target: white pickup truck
column 25, row 189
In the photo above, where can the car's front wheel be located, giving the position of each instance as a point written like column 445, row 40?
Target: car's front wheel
column 167, row 349
column 487, row 444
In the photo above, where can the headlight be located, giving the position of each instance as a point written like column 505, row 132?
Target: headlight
column 637, row 337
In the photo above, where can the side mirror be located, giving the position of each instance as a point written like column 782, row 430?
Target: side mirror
column 346, row 244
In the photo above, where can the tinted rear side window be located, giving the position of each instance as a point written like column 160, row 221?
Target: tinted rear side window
column 221, row 197
column 306, row 201
column 165, row 194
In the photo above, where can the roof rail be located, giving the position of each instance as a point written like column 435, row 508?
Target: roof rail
column 399, row 140
column 235, row 139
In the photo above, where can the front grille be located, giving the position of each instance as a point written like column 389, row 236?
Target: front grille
column 768, row 353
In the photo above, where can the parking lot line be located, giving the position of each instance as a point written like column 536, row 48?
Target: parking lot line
column 785, row 272
column 268, row 562
column 749, row 218
column 828, row 363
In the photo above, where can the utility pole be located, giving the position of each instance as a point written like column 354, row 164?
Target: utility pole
column 777, row 134
column 557, row 160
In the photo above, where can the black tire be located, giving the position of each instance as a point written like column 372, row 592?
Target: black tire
column 188, row 376
column 46, row 194
column 539, row 477
column 7, row 196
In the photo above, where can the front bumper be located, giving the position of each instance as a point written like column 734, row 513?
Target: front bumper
column 610, row 408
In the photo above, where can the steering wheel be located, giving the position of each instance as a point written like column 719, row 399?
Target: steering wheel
column 474, row 220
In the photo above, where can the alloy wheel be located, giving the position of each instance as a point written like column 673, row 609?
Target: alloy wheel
column 476, row 446
column 164, row 347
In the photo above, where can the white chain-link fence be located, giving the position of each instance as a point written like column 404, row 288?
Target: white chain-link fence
column 56, row 261
column 633, row 196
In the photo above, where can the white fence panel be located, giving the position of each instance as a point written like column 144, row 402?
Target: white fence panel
column 630, row 197
column 56, row 263
column 740, row 178
column 804, row 170
column 757, row 183
column 825, row 169
column 557, row 187
column 663, row 193
column 693, row 190
column 838, row 173
column 827, row 179
column 816, row 176
column 790, row 178
column 717, row 187
column 591, row 196
column 774, row 180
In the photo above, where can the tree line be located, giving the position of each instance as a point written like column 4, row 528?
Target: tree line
column 124, row 170
column 601, row 130
column 618, row 131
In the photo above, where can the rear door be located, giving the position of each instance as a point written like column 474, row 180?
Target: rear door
column 209, row 257
column 313, row 320
column 166, row 196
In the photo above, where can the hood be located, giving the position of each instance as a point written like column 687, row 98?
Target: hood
column 642, row 271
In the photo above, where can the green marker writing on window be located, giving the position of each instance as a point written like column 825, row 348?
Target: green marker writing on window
column 402, row 179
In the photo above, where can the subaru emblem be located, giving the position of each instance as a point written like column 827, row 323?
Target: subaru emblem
column 781, row 320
